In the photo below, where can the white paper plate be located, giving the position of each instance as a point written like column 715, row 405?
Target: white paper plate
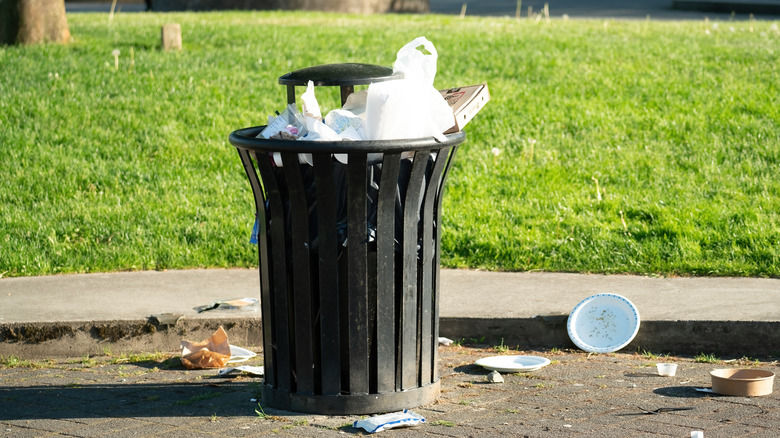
column 603, row 323
column 513, row 364
column 238, row 354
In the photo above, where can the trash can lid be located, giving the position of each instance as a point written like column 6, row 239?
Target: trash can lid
column 338, row 75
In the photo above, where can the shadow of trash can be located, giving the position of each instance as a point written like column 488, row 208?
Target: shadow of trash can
column 349, row 262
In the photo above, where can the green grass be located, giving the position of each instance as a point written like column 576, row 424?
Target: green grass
column 706, row 358
column 501, row 348
column 676, row 124
column 15, row 362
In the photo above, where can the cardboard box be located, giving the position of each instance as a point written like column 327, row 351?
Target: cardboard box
column 465, row 103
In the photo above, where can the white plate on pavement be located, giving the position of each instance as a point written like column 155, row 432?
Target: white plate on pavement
column 513, row 364
column 603, row 323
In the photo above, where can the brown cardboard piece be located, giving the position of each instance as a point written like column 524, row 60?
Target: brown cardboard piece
column 465, row 103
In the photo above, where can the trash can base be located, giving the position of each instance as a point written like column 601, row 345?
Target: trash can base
column 351, row 404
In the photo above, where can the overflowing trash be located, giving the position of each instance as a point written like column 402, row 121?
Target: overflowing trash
column 379, row 423
column 403, row 108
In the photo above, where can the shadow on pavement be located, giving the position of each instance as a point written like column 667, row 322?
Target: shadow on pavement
column 683, row 391
column 222, row 397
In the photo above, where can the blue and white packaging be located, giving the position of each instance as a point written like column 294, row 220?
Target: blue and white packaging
column 379, row 423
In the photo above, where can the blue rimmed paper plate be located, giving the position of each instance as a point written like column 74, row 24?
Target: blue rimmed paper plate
column 603, row 323
column 513, row 364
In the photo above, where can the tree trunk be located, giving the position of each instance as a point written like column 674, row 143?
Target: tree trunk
column 33, row 22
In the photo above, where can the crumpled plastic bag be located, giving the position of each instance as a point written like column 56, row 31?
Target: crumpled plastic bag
column 311, row 108
column 410, row 107
column 214, row 352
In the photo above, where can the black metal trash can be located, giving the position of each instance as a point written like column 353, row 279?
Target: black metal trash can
column 349, row 270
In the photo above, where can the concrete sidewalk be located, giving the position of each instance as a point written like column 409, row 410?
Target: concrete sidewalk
column 76, row 315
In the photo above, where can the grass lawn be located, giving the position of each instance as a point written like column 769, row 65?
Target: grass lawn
column 609, row 146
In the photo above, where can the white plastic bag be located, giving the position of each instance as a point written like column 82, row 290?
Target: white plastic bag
column 410, row 107
column 309, row 103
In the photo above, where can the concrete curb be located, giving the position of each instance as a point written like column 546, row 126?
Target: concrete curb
column 74, row 339
column 77, row 339
column 85, row 314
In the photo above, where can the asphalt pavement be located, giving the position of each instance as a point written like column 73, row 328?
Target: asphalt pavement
column 577, row 395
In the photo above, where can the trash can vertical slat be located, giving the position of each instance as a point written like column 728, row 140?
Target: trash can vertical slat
column 429, row 343
column 328, row 316
column 437, row 253
column 409, row 295
column 385, row 291
column 263, row 257
column 278, row 274
column 300, row 275
column 357, row 256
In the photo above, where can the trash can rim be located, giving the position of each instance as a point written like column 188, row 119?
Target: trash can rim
column 245, row 139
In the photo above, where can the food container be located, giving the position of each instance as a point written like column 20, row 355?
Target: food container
column 666, row 369
column 742, row 382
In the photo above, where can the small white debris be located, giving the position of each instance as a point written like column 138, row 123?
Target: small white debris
column 445, row 341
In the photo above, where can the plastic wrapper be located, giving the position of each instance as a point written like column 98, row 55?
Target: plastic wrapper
column 248, row 369
column 287, row 125
column 379, row 423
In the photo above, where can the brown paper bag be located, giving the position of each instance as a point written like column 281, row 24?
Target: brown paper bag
column 214, row 352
